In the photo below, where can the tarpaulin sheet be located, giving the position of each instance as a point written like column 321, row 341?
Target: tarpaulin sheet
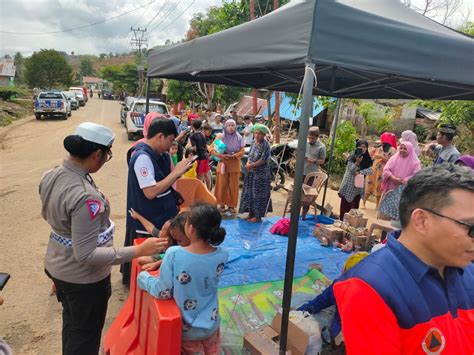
column 256, row 255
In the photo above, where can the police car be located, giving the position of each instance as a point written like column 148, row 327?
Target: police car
column 136, row 116
column 52, row 103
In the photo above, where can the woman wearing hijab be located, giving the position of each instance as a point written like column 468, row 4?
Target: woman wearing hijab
column 398, row 170
column 228, row 169
column 409, row 136
column 256, row 193
column 350, row 192
column 466, row 160
column 380, row 155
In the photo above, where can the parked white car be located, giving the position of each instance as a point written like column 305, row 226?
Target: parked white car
column 126, row 105
column 52, row 103
column 136, row 116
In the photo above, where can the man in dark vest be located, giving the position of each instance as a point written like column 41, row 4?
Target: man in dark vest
column 150, row 181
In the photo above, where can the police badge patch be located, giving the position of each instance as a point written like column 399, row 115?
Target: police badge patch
column 93, row 206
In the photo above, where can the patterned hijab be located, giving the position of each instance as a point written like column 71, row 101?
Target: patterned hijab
column 233, row 141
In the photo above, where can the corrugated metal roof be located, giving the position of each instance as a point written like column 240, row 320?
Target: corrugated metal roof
column 431, row 115
column 7, row 69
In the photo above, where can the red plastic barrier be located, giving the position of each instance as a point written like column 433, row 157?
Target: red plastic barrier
column 144, row 325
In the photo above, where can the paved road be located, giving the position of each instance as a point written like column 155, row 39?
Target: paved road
column 30, row 319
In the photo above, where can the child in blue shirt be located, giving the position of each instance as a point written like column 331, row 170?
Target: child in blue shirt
column 190, row 275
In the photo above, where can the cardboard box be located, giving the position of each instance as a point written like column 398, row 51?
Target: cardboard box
column 356, row 222
column 329, row 232
column 266, row 341
column 361, row 241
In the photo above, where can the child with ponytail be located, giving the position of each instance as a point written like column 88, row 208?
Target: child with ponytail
column 190, row 275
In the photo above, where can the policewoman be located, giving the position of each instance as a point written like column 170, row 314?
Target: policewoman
column 80, row 249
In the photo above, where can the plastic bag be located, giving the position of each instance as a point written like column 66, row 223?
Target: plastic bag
column 359, row 181
column 220, row 147
column 311, row 327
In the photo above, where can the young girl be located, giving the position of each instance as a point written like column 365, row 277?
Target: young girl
column 199, row 143
column 172, row 230
column 190, row 275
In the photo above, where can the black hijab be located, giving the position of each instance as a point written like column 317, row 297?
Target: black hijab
column 366, row 160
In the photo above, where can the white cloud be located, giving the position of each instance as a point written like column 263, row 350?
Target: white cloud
column 112, row 36
column 33, row 16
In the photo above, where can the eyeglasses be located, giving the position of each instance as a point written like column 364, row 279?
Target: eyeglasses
column 109, row 154
column 470, row 227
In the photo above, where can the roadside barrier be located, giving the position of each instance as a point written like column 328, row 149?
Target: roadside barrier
column 144, row 325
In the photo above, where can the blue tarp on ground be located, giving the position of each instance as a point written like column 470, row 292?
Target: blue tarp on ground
column 256, row 255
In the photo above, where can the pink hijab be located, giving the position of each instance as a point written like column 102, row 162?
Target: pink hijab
column 234, row 142
column 409, row 136
column 403, row 168
column 146, row 124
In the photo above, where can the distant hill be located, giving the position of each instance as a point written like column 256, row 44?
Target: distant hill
column 97, row 62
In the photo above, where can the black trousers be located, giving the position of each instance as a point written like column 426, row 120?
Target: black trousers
column 84, row 310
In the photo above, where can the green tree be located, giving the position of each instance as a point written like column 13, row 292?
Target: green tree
column 346, row 136
column 218, row 18
column 19, row 64
column 48, row 69
column 459, row 113
column 86, row 68
column 124, row 77
column 177, row 91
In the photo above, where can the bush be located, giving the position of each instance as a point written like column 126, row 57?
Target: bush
column 421, row 132
column 464, row 142
column 381, row 124
column 346, row 136
column 7, row 93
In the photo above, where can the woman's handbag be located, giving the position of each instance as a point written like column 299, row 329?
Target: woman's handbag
column 359, row 181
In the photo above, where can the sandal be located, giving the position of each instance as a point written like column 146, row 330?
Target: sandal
column 222, row 209
column 254, row 220
column 232, row 210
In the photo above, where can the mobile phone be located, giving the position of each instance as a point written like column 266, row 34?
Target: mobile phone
column 4, row 277
column 358, row 152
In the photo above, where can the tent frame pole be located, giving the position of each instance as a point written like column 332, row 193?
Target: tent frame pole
column 306, row 112
column 333, row 142
column 148, row 84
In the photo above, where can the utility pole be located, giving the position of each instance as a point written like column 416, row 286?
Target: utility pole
column 254, row 91
column 277, row 99
column 138, row 42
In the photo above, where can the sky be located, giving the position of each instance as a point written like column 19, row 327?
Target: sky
column 32, row 22
column 40, row 16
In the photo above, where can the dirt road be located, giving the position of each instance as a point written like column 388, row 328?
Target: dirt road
column 30, row 319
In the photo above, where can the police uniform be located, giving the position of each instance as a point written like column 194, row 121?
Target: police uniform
column 80, row 250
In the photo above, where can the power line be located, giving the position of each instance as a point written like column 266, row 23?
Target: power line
column 177, row 17
column 171, row 10
column 154, row 17
column 144, row 12
column 77, row 28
